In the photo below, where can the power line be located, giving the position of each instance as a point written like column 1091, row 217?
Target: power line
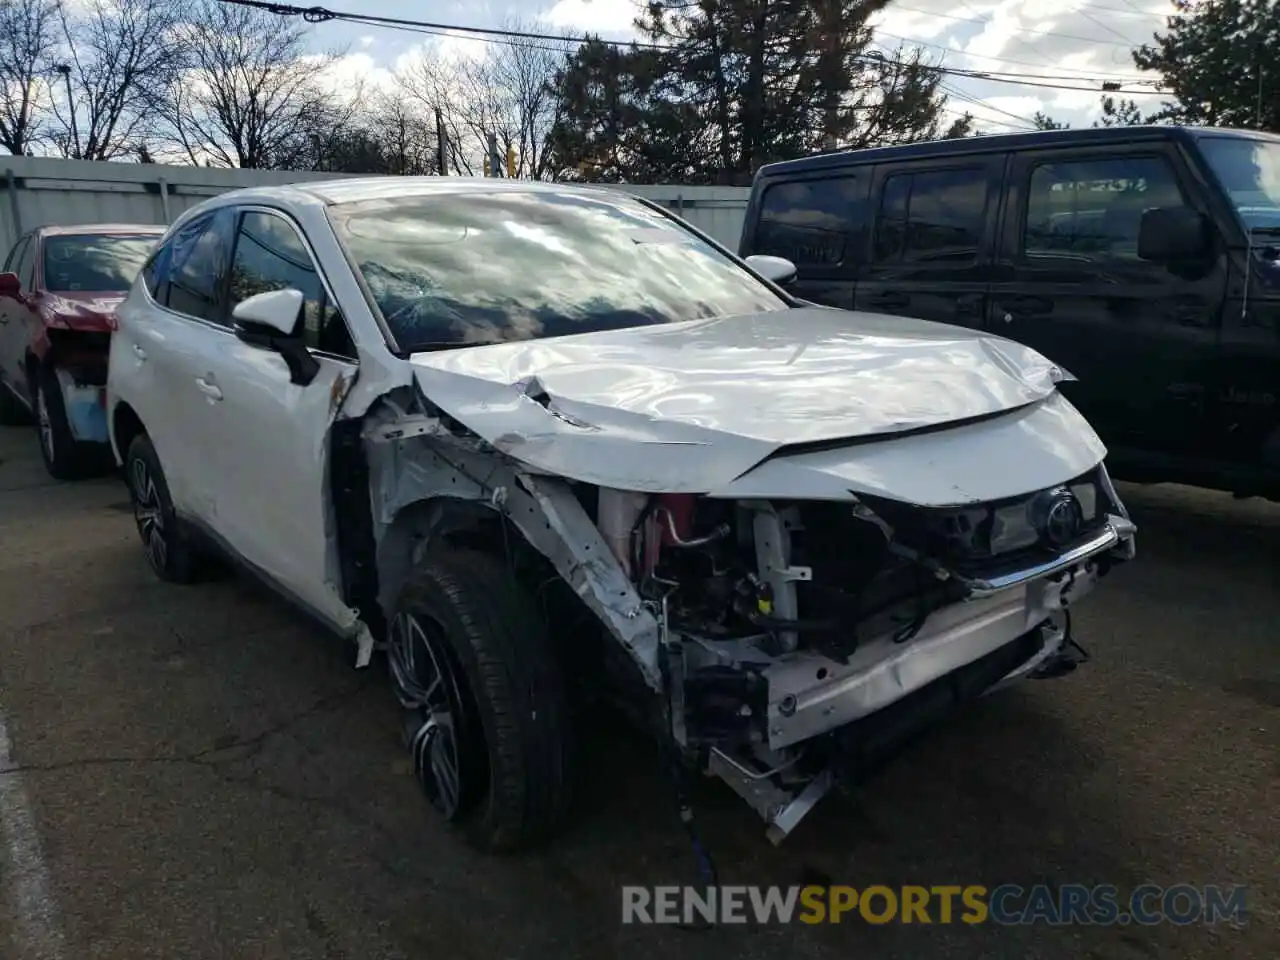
column 1048, row 33
column 316, row 15
column 963, row 97
column 1091, row 76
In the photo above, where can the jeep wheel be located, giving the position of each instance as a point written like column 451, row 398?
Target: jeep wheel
column 484, row 705
column 163, row 539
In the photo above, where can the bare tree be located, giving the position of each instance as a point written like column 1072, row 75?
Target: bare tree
column 28, row 39
column 253, row 97
column 121, row 55
column 506, row 93
column 433, row 87
column 407, row 135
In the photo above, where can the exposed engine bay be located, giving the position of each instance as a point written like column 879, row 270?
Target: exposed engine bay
column 786, row 625
column 788, row 644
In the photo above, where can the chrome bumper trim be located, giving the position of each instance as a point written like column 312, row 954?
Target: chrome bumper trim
column 1117, row 529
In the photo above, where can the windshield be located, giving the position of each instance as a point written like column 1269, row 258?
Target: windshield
column 94, row 262
column 482, row 266
column 1249, row 170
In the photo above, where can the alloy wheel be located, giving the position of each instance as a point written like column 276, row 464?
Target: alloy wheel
column 148, row 514
column 428, row 690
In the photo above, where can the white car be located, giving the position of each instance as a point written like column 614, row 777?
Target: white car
column 535, row 441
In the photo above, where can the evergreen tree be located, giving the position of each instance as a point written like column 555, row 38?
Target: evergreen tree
column 1215, row 59
column 736, row 84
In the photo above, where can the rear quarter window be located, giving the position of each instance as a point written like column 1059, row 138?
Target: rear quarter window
column 815, row 223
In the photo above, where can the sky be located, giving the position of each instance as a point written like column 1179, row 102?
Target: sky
column 1080, row 41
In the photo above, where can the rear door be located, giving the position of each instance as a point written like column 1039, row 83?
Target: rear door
column 933, row 239
column 160, row 352
column 822, row 225
column 1140, row 337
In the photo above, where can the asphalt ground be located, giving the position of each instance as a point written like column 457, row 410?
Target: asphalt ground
column 196, row 772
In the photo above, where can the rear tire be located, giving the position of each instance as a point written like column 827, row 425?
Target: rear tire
column 484, row 701
column 164, row 540
column 64, row 457
column 12, row 411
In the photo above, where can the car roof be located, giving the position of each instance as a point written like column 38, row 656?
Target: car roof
column 354, row 189
column 1001, row 142
column 93, row 229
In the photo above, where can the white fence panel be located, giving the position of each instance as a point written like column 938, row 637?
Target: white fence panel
column 42, row 191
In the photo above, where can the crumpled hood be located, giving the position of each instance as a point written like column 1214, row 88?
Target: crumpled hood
column 688, row 407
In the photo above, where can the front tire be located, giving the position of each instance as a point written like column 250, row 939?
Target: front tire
column 163, row 539
column 483, row 701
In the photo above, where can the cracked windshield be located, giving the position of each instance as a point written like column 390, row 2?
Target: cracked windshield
column 468, row 268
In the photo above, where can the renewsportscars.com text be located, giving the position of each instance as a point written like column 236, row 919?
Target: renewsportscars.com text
column 1008, row 904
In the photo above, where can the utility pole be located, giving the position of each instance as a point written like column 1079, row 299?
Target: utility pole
column 442, row 144
column 65, row 70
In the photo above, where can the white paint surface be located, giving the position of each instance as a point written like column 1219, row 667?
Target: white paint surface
column 24, row 877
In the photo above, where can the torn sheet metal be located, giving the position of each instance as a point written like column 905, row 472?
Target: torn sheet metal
column 688, row 407
column 411, row 477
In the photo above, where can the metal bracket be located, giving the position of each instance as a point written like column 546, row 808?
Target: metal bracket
column 406, row 428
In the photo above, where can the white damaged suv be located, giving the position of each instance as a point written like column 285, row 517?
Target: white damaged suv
column 535, row 441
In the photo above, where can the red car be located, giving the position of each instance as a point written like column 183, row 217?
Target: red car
column 59, row 290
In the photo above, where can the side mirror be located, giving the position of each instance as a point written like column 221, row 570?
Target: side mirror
column 268, row 320
column 777, row 269
column 1173, row 235
column 10, row 285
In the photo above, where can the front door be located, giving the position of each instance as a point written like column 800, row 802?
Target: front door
column 933, row 236
column 1140, row 337
column 269, row 446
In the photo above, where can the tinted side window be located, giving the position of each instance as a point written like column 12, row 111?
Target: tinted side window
column 930, row 216
column 1091, row 209
column 190, row 270
column 815, row 222
column 271, row 256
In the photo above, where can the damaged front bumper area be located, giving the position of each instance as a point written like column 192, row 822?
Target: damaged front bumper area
column 824, row 695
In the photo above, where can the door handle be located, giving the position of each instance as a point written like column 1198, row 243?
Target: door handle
column 209, row 388
column 139, row 352
column 889, row 298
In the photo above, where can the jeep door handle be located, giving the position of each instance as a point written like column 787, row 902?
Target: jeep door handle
column 209, row 388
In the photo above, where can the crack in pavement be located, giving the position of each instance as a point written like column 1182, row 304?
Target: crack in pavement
column 209, row 757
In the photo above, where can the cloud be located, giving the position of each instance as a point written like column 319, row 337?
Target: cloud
column 611, row 17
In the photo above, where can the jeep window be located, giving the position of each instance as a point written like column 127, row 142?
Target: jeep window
column 188, row 273
column 930, row 216
column 270, row 255
column 466, row 268
column 1249, row 171
column 815, row 222
column 1091, row 209
column 98, row 262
